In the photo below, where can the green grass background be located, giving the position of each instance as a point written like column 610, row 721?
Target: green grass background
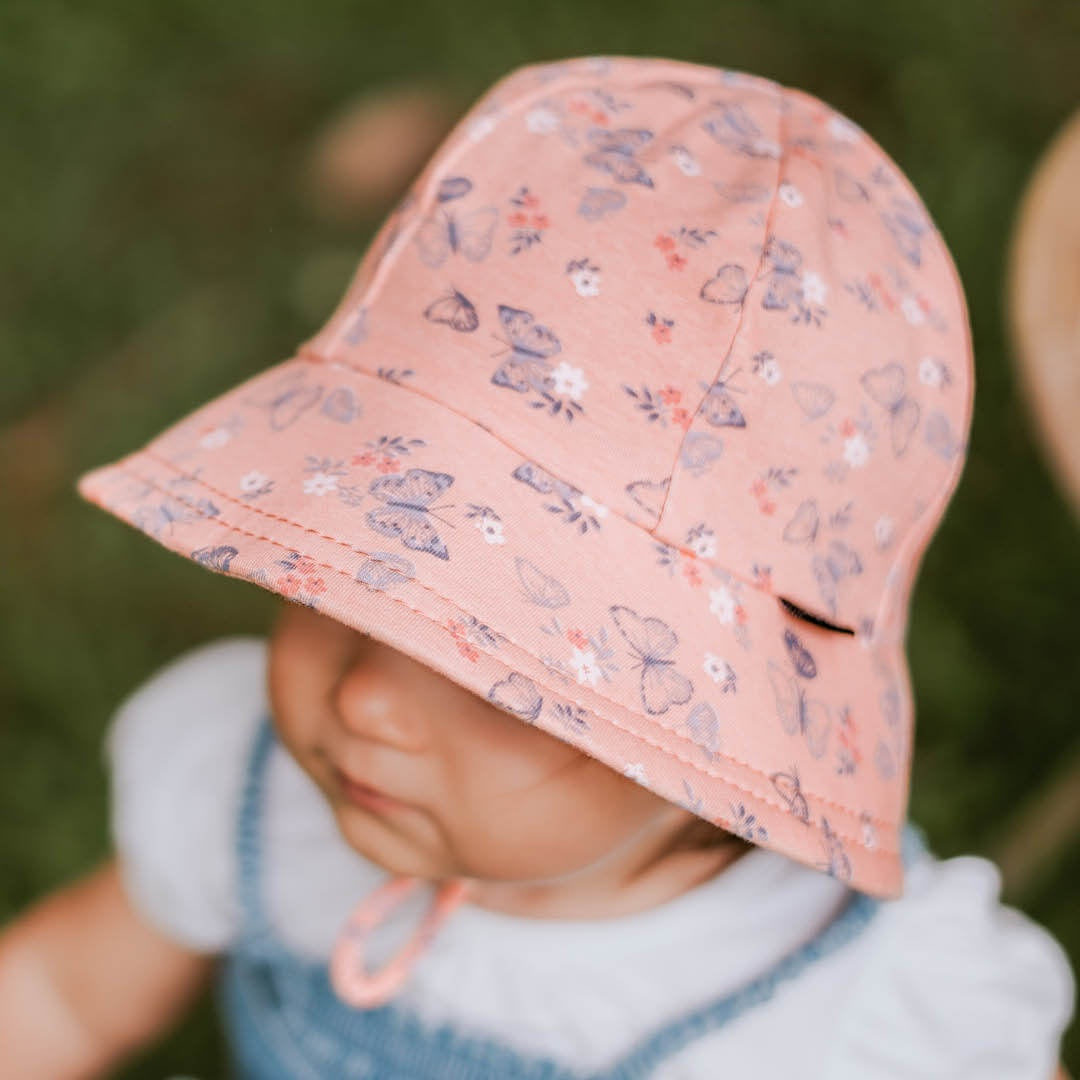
column 156, row 248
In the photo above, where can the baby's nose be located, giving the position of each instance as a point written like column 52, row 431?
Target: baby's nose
column 374, row 702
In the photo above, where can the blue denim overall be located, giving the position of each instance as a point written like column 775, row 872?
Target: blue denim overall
column 284, row 1021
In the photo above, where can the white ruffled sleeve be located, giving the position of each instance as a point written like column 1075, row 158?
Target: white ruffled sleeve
column 176, row 750
column 957, row 985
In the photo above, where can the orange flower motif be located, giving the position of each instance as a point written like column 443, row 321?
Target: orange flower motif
column 675, row 261
column 847, row 428
column 661, row 334
column 670, row 395
column 366, row 458
column 740, row 615
column 518, row 218
column 388, row 465
column 315, row 585
column 289, row 584
column 664, row 242
column 540, row 221
column 692, row 573
column 600, row 117
column 757, row 488
column 681, row 417
column 577, row 638
column 768, row 508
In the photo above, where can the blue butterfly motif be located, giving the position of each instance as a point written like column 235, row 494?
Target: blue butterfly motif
column 652, row 640
column 597, row 203
column 540, row 588
column 447, row 233
column 215, row 558
column 615, row 152
column 531, row 344
column 797, row 713
column 518, row 695
column 407, row 512
column 381, row 569
column 836, row 863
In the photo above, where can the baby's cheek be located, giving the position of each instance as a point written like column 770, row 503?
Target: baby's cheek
column 544, row 831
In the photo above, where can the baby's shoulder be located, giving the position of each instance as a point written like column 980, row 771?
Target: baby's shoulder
column 953, row 982
column 176, row 749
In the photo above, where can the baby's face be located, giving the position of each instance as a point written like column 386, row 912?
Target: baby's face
column 482, row 794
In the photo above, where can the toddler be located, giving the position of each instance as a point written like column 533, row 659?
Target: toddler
column 582, row 746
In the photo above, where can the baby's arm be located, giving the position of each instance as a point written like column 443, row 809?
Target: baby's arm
column 85, row 981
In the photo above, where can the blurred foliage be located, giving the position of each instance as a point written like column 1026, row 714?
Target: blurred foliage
column 155, row 249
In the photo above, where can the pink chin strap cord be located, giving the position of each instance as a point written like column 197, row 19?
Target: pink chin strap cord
column 351, row 980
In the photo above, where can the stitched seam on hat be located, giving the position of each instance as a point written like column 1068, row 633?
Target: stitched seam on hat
column 343, row 544
column 742, row 308
column 309, row 355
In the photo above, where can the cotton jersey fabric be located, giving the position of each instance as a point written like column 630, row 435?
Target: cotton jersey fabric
column 944, row 982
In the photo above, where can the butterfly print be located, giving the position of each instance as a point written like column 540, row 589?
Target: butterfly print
column 836, row 863
column 517, row 695
column 597, row 203
column 939, row 436
column 907, row 228
column 381, row 569
column 407, row 512
column 849, row 188
column 531, row 344
column 803, row 527
column 342, row 405
column 704, row 728
column 728, row 286
column 649, row 494
column 453, row 187
column 215, row 558
column 540, row 588
column 788, row 788
column 815, row 399
column 652, row 640
column 719, row 408
column 831, row 568
column 731, row 125
column 615, row 152
column 455, row 310
column 446, row 233
column 797, row 713
column 886, row 386
column 699, row 450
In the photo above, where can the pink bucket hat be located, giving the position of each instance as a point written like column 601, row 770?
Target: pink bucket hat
column 636, row 420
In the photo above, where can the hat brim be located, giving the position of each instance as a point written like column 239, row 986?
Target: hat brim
column 380, row 507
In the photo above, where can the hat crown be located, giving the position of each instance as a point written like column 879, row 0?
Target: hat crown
column 696, row 299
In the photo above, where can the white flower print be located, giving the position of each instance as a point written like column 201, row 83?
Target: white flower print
column 883, row 532
column 790, row 195
column 598, row 509
column 492, row 530
column 931, row 371
column 636, row 771
column 814, row 289
column 720, row 671
column 841, row 128
column 856, row 450
column 703, row 543
column 215, row 438
column 253, row 481
column 722, row 604
column 585, row 666
column 687, row 163
column 913, row 311
column 769, row 371
column 542, row 120
column 320, row 484
column 586, row 281
column 766, row 147
column 869, row 833
column 481, row 127
column 569, row 380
